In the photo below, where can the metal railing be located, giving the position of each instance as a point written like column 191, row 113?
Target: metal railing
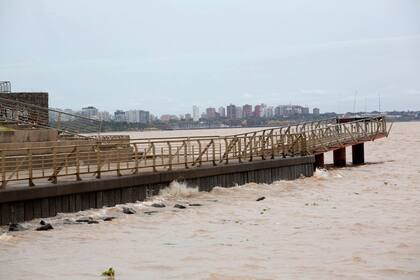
column 110, row 156
column 23, row 113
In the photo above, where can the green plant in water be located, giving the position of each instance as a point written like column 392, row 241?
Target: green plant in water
column 110, row 272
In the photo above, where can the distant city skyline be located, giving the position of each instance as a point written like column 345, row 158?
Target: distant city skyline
column 231, row 111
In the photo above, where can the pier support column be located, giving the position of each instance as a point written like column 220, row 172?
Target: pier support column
column 358, row 153
column 340, row 157
column 319, row 161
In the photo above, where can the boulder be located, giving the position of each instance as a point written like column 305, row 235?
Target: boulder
column 158, row 205
column 45, row 227
column 16, row 227
column 129, row 211
column 69, row 222
column 84, row 220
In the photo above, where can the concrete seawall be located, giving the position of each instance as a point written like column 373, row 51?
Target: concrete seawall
column 23, row 204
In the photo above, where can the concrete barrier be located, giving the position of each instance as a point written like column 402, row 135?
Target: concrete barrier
column 27, row 203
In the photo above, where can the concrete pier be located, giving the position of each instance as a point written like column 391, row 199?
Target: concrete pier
column 319, row 161
column 22, row 204
column 358, row 153
column 340, row 157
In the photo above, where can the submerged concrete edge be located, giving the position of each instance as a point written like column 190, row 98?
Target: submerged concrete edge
column 150, row 178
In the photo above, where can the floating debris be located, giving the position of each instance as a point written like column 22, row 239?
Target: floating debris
column 110, row 272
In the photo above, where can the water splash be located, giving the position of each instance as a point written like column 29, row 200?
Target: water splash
column 178, row 190
column 5, row 237
column 321, row 174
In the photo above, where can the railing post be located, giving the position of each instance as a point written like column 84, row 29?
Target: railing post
column 214, row 152
column 118, row 162
column 239, row 150
column 58, row 121
column 283, row 147
column 272, row 146
column 170, row 155
column 162, row 160
column 98, row 162
column 30, row 170
column 3, row 169
column 54, row 178
column 154, row 157
column 251, row 152
column 226, row 151
column 76, row 147
column 262, row 141
column 136, row 158
column 199, row 153
column 185, row 154
column 245, row 136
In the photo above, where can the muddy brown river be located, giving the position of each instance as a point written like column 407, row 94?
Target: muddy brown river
column 351, row 223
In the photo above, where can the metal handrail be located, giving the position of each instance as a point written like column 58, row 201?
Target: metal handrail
column 130, row 156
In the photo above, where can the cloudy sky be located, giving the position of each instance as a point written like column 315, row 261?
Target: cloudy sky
column 165, row 56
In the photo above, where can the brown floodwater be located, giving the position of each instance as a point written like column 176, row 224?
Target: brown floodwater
column 351, row 223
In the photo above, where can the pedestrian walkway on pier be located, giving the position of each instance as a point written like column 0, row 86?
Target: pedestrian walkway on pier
column 104, row 156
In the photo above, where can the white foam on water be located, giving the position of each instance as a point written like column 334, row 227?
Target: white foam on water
column 178, row 190
column 321, row 174
column 5, row 237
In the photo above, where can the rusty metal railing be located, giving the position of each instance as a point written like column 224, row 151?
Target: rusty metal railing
column 23, row 113
column 111, row 156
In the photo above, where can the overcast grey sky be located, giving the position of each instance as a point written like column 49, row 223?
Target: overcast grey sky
column 165, row 56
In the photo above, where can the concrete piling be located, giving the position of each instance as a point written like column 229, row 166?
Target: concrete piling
column 340, row 157
column 358, row 153
column 319, row 161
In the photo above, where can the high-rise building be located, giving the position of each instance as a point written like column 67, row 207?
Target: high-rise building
column 247, row 111
column 119, row 116
column 166, row 118
column 231, row 111
column 222, row 112
column 269, row 112
column 279, row 111
column 132, row 116
column 238, row 113
column 263, row 111
column 104, row 116
column 257, row 111
column 211, row 113
column 144, row 116
column 196, row 113
column 90, row 112
column 137, row 116
column 315, row 111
